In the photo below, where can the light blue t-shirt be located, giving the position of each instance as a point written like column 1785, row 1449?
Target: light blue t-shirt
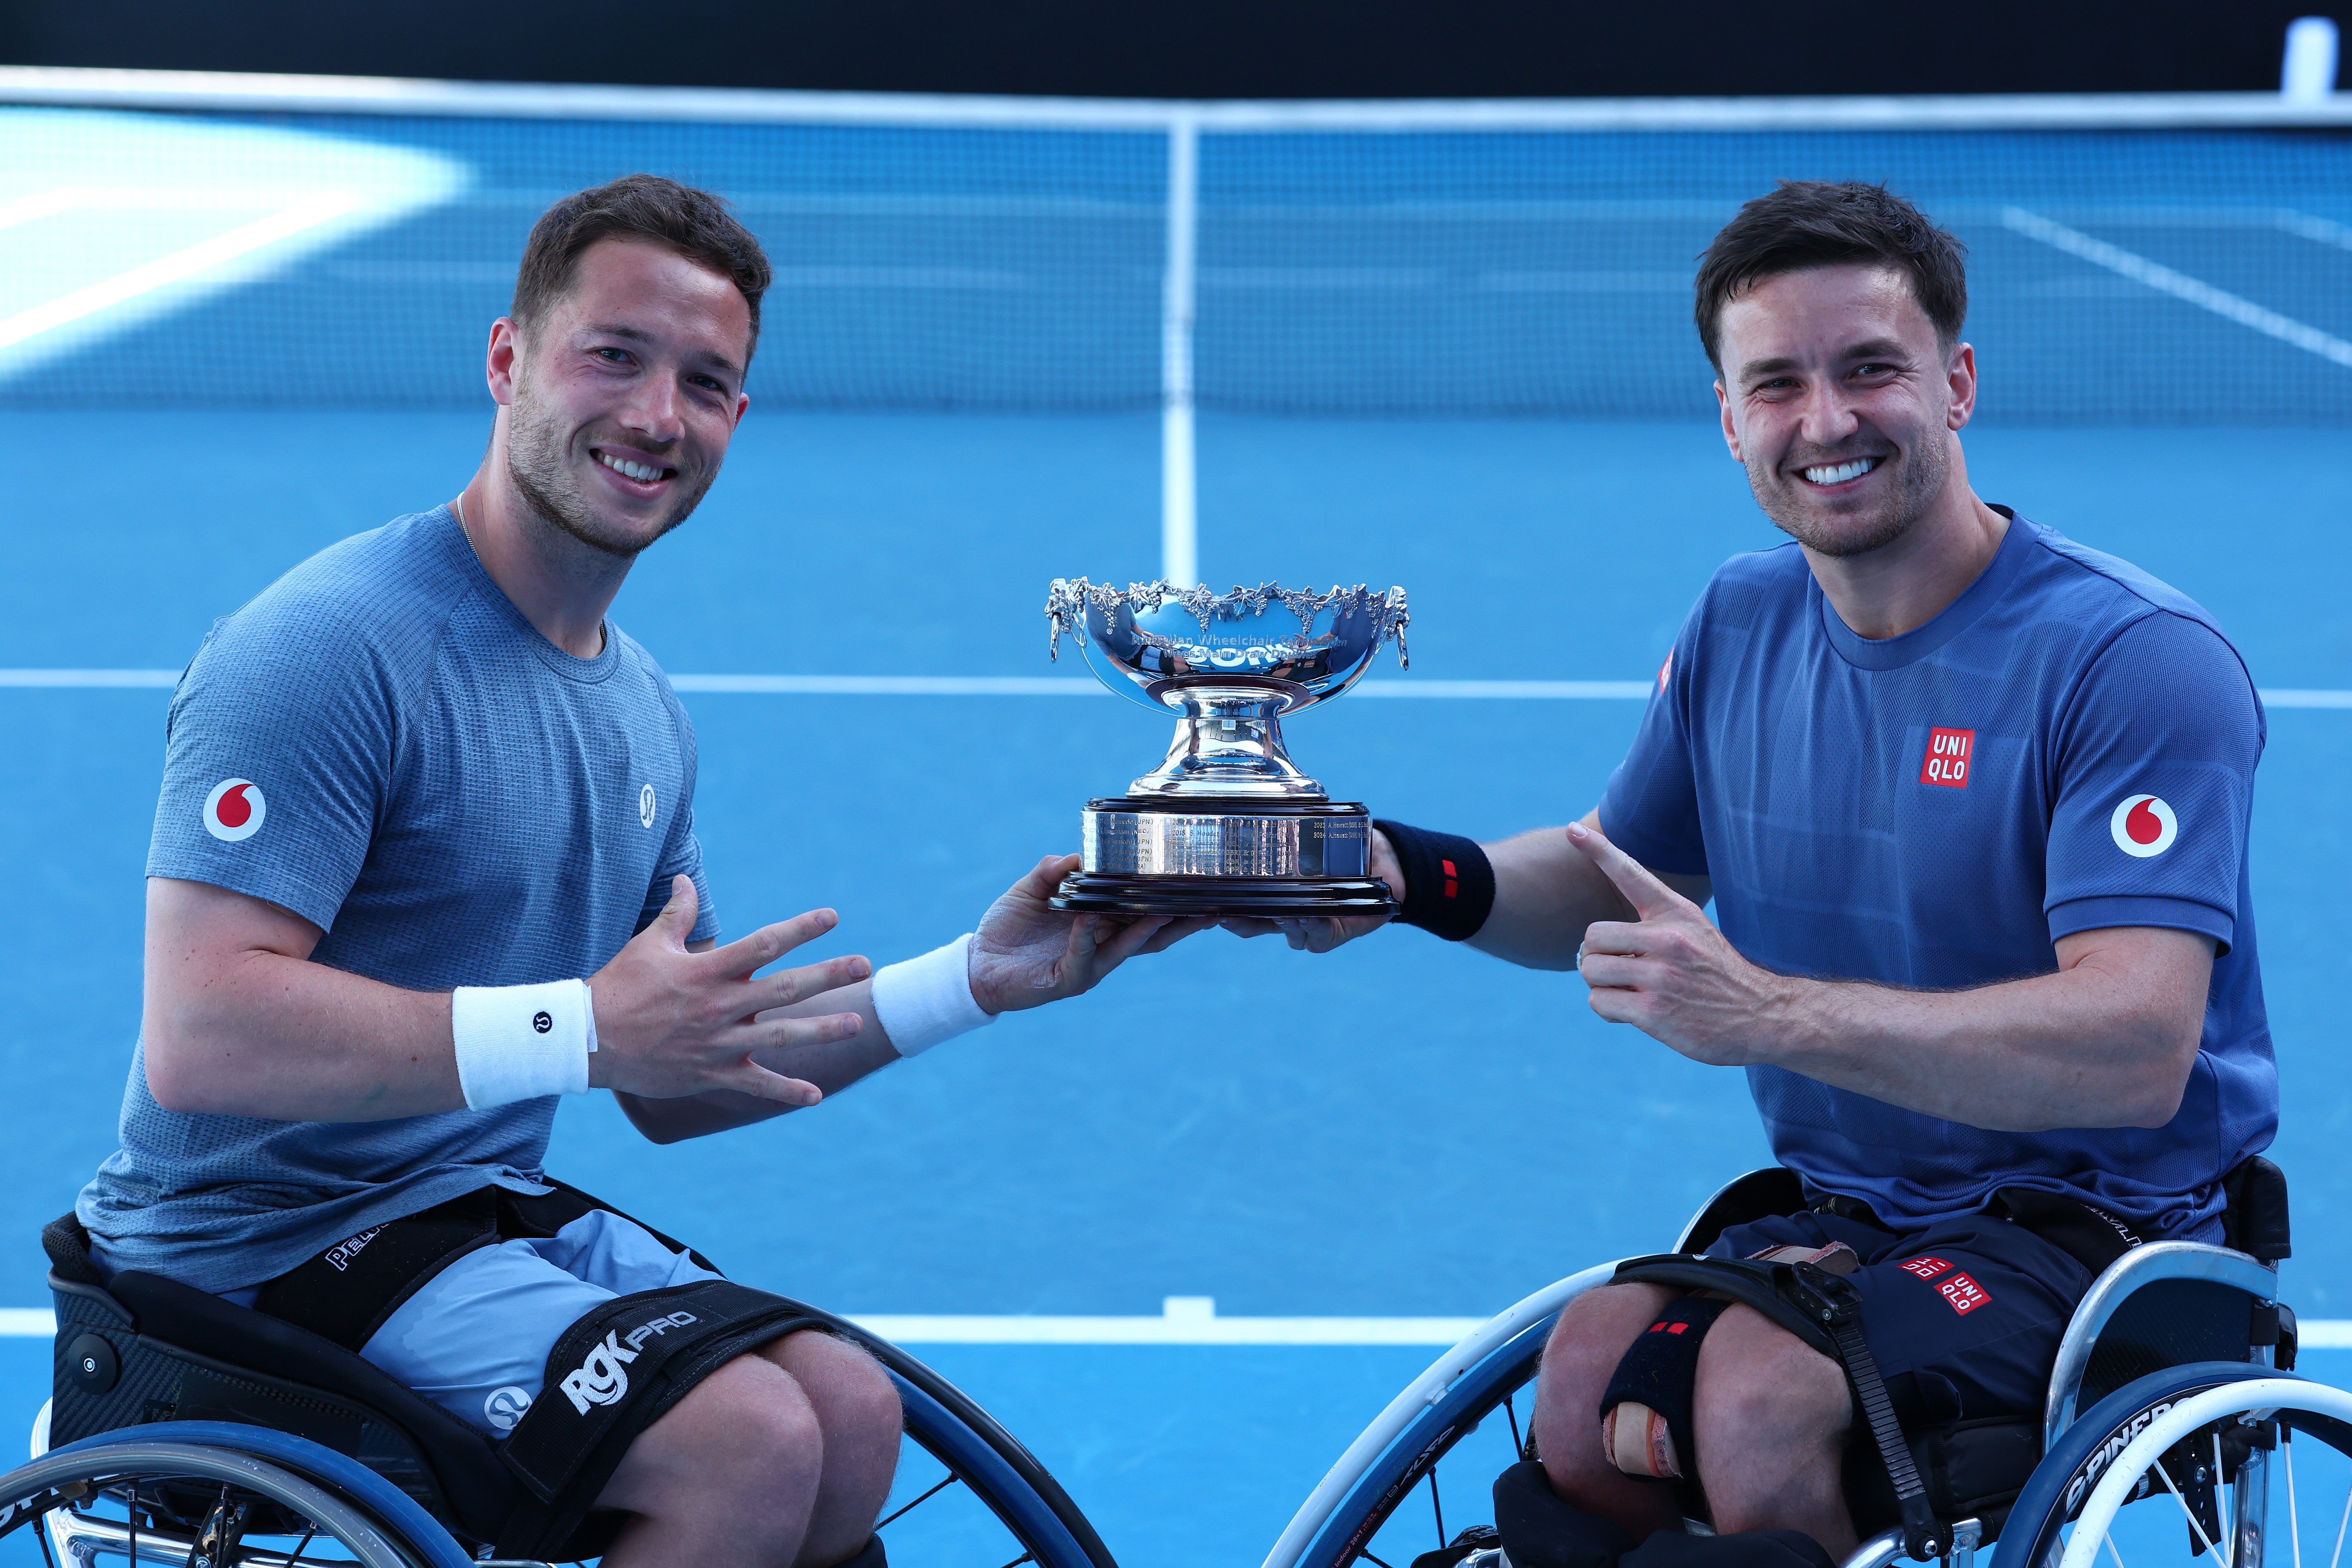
column 381, row 744
column 2069, row 745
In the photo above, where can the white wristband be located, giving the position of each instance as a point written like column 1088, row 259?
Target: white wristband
column 521, row 1042
column 928, row 999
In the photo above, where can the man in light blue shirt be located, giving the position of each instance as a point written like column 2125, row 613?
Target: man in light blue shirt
column 425, row 858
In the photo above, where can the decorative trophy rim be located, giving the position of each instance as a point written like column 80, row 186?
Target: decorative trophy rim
column 1068, row 599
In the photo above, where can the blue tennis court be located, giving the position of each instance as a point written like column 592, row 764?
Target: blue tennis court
column 1402, row 1129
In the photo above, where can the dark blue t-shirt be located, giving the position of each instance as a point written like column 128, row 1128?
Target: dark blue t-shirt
column 2069, row 745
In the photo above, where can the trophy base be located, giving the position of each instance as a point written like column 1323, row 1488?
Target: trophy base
column 1223, row 898
column 1226, row 855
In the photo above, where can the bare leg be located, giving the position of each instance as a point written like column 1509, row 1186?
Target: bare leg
column 729, row 1474
column 1582, row 1355
column 858, row 1407
column 1771, row 1421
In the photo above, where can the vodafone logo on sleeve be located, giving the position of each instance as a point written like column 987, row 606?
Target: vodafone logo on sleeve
column 232, row 812
column 2143, row 825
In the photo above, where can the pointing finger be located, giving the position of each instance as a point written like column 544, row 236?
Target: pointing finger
column 1649, row 896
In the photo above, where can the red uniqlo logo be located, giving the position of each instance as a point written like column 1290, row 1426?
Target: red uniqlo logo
column 1947, row 762
column 1964, row 1293
column 1926, row 1267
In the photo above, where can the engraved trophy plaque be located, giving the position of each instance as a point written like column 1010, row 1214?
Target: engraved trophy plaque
column 1227, row 824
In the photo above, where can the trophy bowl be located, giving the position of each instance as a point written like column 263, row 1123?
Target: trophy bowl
column 1227, row 824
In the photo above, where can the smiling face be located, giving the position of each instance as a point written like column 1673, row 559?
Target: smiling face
column 1842, row 404
column 620, row 400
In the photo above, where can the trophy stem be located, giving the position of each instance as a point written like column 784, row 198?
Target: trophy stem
column 1228, row 754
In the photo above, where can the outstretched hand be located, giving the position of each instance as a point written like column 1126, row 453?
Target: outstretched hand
column 1669, row 972
column 671, row 1023
column 1027, row 953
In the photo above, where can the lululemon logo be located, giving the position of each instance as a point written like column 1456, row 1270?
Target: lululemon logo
column 542, row 1022
column 2143, row 825
column 232, row 812
column 646, row 805
column 505, row 1406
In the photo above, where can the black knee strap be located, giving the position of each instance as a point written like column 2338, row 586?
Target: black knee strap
column 1659, row 1370
column 613, row 1374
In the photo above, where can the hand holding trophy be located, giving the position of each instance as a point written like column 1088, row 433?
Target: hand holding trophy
column 1227, row 825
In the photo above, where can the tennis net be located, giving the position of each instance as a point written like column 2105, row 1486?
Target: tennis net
column 217, row 241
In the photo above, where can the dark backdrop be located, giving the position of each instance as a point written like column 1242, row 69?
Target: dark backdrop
column 1198, row 48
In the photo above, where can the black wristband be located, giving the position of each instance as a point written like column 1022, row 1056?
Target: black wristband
column 1449, row 883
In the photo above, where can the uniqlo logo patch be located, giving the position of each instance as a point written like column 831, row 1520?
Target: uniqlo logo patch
column 1926, row 1267
column 1964, row 1293
column 1949, row 756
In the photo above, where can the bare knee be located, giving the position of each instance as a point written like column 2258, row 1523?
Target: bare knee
column 1579, row 1361
column 1761, row 1386
column 853, row 1398
column 745, row 1434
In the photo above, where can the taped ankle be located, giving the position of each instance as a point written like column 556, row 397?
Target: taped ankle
column 1646, row 1416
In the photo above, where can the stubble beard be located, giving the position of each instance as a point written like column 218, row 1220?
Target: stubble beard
column 537, row 453
column 1919, row 477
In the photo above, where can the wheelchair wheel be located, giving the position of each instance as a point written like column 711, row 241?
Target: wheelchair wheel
column 213, row 1494
column 2235, row 1460
column 1360, row 1512
column 968, row 1494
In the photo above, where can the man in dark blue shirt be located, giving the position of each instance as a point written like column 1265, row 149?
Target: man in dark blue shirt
column 1971, row 802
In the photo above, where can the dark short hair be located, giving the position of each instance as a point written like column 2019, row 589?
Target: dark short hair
column 1805, row 224
column 695, row 224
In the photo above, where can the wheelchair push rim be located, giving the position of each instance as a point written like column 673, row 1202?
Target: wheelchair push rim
column 2209, row 1447
column 225, row 1506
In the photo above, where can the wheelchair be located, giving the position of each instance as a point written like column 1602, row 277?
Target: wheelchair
column 2173, row 1380
column 187, row 1430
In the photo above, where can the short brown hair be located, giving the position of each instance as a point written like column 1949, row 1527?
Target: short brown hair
column 695, row 224
column 1805, row 224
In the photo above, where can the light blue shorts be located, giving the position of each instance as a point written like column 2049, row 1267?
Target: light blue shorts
column 475, row 1339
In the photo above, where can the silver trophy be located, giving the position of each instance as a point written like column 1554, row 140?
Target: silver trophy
column 1227, row 824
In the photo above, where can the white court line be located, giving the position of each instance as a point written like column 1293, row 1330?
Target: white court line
column 1062, row 686
column 176, row 268
column 2180, row 285
column 1183, row 1320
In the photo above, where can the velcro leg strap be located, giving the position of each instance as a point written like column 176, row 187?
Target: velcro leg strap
column 1646, row 1416
column 615, row 1373
column 1541, row 1531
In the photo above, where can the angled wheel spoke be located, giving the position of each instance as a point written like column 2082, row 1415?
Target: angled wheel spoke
column 2293, row 1524
column 1024, row 1557
column 2337, row 1556
column 1436, row 1506
column 2229, row 1535
column 2112, row 1552
column 952, row 1479
column 1369, row 1558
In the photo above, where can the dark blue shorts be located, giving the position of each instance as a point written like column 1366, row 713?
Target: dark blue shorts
column 1963, row 1316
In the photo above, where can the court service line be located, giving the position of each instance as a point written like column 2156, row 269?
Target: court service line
column 2180, row 285
column 1061, row 686
column 177, row 266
